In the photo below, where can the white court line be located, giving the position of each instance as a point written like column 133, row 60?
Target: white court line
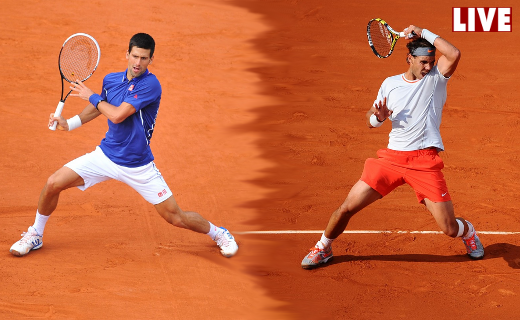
column 366, row 232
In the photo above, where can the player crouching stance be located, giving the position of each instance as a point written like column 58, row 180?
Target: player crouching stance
column 413, row 102
column 130, row 101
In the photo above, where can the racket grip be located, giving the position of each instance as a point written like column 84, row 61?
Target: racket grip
column 57, row 113
column 401, row 34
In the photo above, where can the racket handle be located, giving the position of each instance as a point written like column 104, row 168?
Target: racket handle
column 57, row 113
column 401, row 34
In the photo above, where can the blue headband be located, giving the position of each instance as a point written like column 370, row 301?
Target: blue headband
column 423, row 51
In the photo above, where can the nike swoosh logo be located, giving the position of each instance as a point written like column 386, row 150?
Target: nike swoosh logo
column 445, row 193
column 430, row 50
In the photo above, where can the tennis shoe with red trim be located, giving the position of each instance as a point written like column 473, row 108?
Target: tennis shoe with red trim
column 31, row 240
column 474, row 247
column 317, row 257
column 226, row 242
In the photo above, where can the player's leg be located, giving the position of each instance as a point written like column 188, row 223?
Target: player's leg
column 430, row 186
column 82, row 172
column 380, row 176
column 360, row 196
column 148, row 181
column 173, row 214
column 61, row 180
column 444, row 215
column 452, row 226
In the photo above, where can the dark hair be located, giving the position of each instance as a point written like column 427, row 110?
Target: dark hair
column 143, row 41
column 417, row 43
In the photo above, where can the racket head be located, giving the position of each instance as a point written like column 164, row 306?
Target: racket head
column 79, row 57
column 381, row 37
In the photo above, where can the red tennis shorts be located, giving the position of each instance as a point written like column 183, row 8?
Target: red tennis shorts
column 421, row 169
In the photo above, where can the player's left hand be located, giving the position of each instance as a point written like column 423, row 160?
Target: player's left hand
column 82, row 90
column 62, row 123
column 381, row 110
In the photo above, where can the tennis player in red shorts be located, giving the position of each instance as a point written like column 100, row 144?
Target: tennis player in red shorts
column 413, row 102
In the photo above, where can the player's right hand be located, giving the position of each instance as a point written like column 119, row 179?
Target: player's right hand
column 62, row 122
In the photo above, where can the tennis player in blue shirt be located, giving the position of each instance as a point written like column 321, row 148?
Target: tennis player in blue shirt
column 130, row 101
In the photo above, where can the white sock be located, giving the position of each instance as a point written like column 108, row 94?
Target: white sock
column 471, row 230
column 213, row 230
column 39, row 222
column 461, row 228
column 324, row 242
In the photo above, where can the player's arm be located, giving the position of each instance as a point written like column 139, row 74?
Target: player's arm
column 377, row 114
column 450, row 55
column 88, row 114
column 116, row 114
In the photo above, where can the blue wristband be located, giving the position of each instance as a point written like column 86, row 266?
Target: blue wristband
column 95, row 99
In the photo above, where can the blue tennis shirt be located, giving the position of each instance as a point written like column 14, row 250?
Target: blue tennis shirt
column 128, row 143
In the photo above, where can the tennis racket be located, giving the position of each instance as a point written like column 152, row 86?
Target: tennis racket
column 79, row 58
column 382, row 38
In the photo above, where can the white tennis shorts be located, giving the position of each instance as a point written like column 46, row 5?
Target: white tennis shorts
column 96, row 167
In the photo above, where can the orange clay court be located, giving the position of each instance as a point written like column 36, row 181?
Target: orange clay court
column 261, row 128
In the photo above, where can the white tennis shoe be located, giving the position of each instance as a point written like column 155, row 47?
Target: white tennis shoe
column 31, row 240
column 226, row 242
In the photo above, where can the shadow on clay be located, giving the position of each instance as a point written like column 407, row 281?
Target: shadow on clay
column 509, row 252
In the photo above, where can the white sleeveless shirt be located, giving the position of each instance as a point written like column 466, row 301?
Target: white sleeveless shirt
column 417, row 110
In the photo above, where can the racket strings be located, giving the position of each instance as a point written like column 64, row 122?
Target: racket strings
column 78, row 58
column 382, row 38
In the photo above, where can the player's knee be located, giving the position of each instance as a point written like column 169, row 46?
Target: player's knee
column 53, row 185
column 344, row 209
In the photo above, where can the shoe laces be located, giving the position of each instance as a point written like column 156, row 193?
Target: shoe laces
column 222, row 239
column 316, row 250
column 470, row 242
column 26, row 236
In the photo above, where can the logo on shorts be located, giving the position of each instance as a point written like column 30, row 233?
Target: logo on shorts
column 162, row 193
column 445, row 193
column 482, row 19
